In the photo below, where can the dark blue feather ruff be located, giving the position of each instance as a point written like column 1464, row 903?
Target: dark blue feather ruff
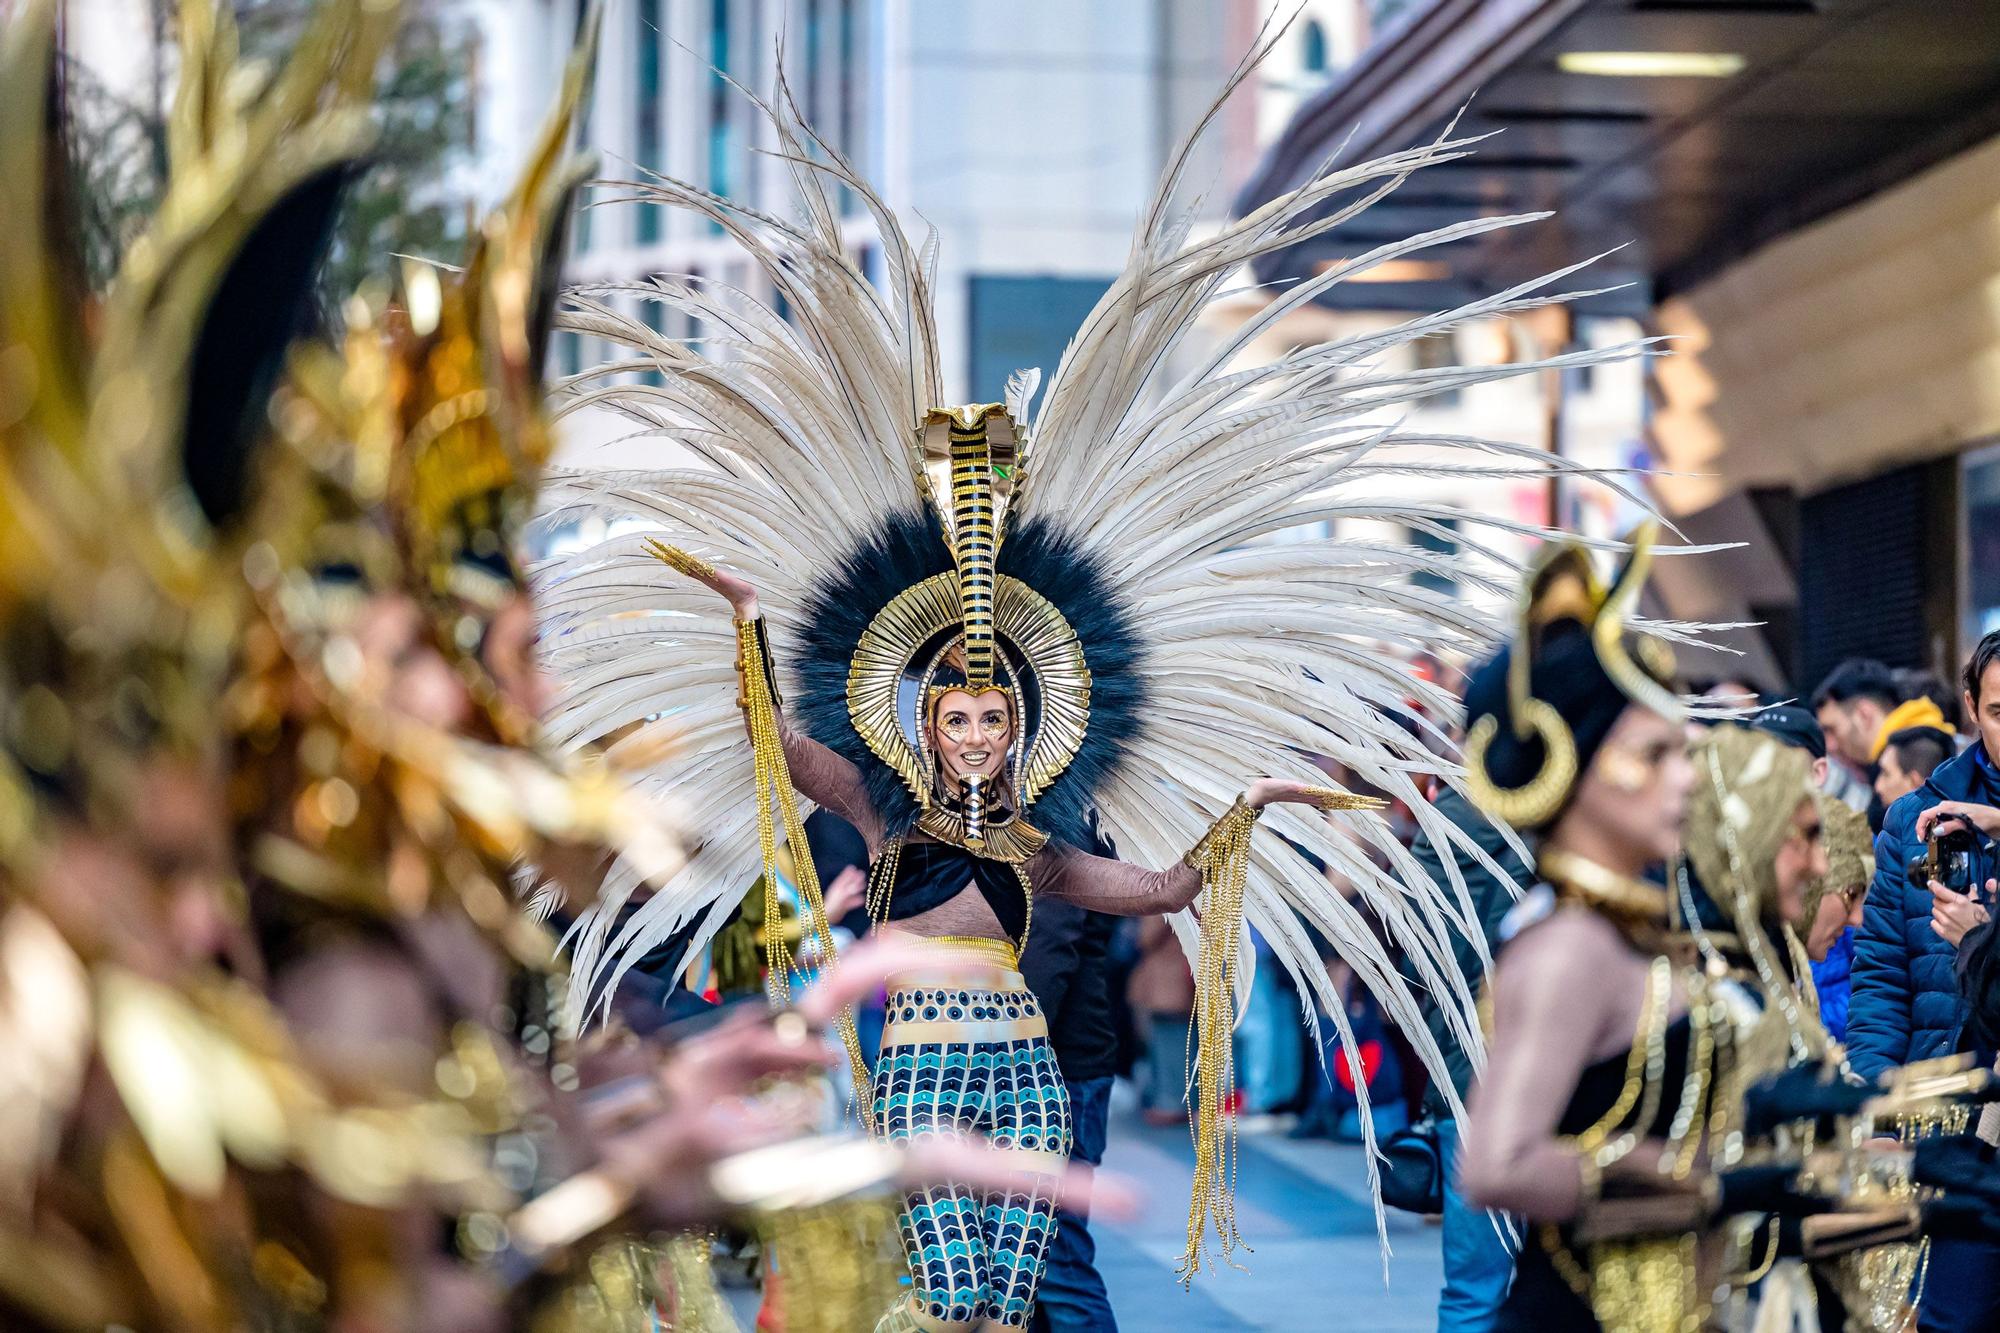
column 909, row 549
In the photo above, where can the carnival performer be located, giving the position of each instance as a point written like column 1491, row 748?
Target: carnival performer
column 184, row 1149
column 1604, row 1097
column 1576, row 739
column 967, row 629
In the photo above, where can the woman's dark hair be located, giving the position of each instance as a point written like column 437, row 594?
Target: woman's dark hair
column 1984, row 654
column 1979, row 983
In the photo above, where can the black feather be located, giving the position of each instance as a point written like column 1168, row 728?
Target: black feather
column 908, row 549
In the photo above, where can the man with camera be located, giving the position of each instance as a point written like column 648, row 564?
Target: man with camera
column 1936, row 863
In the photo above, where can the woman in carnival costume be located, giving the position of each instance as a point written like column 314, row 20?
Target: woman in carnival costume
column 975, row 631
column 1636, row 1109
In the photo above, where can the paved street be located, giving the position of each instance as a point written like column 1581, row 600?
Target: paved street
column 1303, row 1206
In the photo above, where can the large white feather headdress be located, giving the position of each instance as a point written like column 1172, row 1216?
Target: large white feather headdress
column 1154, row 458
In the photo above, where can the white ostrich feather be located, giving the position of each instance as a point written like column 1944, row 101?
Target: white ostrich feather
column 1163, row 456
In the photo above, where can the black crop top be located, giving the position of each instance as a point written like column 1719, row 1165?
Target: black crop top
column 930, row 874
column 1597, row 1088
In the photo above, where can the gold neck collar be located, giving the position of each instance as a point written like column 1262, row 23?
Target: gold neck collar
column 1617, row 896
column 1014, row 841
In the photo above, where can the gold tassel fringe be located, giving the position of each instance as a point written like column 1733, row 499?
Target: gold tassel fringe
column 1223, row 858
column 774, row 788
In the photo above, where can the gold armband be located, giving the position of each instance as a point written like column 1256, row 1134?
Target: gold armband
column 1235, row 824
column 753, row 657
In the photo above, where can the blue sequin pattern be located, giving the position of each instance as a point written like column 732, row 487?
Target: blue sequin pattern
column 975, row 1255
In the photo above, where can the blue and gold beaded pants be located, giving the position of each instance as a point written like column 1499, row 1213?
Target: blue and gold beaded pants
column 962, row 1057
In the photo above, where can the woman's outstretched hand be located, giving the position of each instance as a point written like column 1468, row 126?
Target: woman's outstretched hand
column 742, row 598
column 1273, row 791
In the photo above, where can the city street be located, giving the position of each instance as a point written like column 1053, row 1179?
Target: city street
column 1303, row 1206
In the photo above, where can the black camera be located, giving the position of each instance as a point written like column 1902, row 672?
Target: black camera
column 1947, row 859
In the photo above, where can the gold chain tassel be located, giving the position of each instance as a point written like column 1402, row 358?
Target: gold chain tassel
column 1223, row 858
column 774, row 786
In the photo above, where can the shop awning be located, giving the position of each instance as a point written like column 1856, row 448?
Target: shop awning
column 1783, row 111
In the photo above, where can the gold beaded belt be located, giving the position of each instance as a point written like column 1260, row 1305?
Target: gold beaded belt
column 991, row 951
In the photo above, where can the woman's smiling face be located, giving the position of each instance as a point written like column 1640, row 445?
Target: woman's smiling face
column 971, row 733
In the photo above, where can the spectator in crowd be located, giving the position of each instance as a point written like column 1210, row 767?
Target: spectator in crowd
column 1162, row 995
column 1067, row 965
column 1908, row 761
column 1478, row 1258
column 1905, row 1004
column 1851, row 704
column 1796, row 727
column 1913, row 684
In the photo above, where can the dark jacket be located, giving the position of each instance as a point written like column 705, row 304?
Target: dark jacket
column 1833, row 979
column 1491, row 899
column 1067, row 966
column 1905, row 1004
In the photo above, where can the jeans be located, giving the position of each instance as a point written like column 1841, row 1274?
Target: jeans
column 1073, row 1298
column 1478, row 1253
column 1166, row 1062
column 1961, row 1287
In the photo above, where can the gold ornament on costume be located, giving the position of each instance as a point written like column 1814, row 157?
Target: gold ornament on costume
column 432, row 414
column 774, row 787
column 121, row 482
column 1563, row 587
column 1537, row 800
column 1223, row 858
column 889, row 686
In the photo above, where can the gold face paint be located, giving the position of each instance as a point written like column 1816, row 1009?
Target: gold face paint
column 1625, row 771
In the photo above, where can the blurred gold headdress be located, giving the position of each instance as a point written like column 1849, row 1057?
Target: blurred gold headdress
column 1538, row 711
column 1748, row 786
column 1850, row 855
column 129, row 421
column 432, row 415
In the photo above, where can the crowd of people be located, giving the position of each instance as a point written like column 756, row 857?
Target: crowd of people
column 392, row 937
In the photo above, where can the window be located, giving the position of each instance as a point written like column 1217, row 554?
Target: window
column 584, row 212
column 721, row 135
column 655, row 317
column 569, row 352
column 851, row 83
column 1437, row 352
column 1442, row 543
column 1018, row 322
column 813, row 53
column 1312, row 48
column 1979, row 492
column 646, row 137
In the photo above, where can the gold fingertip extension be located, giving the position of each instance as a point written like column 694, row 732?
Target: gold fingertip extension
column 681, row 562
column 1326, row 798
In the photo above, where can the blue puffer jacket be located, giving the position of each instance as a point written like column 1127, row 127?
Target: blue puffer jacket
column 1905, row 1004
column 1832, row 980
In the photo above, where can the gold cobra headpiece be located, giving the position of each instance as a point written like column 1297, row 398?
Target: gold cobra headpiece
column 969, row 464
